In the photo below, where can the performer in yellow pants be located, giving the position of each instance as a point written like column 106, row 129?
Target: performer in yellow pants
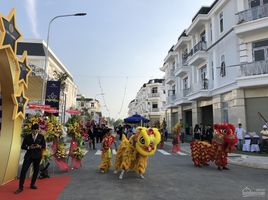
column 106, row 154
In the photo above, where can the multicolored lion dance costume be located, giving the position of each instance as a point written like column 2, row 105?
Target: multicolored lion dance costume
column 132, row 154
column 224, row 141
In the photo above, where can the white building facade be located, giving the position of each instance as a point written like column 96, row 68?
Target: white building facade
column 218, row 69
column 150, row 101
column 91, row 105
column 36, row 50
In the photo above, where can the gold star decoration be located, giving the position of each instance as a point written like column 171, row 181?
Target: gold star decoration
column 24, row 70
column 20, row 102
column 10, row 34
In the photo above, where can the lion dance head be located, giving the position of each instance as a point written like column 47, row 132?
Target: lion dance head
column 225, row 134
column 147, row 140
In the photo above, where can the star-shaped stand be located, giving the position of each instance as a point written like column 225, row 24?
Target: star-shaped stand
column 11, row 33
column 20, row 102
column 24, row 70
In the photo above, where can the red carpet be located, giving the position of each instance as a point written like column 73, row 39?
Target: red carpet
column 48, row 189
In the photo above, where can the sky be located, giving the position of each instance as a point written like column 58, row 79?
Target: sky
column 113, row 50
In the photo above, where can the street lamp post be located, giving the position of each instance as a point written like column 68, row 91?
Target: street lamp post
column 46, row 56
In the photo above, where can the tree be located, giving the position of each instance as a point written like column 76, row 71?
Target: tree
column 118, row 122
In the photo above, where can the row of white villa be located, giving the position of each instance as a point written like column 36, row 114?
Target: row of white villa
column 218, row 69
column 150, row 101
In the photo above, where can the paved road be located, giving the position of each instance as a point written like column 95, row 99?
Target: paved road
column 168, row 177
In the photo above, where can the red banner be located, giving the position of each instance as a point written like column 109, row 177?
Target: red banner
column 73, row 112
column 38, row 106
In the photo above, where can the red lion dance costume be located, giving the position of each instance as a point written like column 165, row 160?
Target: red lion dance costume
column 224, row 141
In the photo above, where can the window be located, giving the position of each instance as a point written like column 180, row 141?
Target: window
column 203, row 36
column 82, row 103
column 255, row 3
column 92, row 105
column 164, row 92
column 155, row 105
column 260, row 50
column 203, row 75
column 154, row 90
column 221, row 22
column 185, row 83
column 223, row 67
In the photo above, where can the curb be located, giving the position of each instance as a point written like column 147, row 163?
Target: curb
column 240, row 162
column 243, row 163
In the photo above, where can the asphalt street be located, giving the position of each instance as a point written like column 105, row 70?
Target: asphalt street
column 168, row 176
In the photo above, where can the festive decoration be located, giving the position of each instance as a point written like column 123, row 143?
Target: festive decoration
column 11, row 87
column 224, row 141
column 76, row 131
column 132, row 154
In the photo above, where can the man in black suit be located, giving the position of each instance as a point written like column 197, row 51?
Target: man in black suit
column 33, row 143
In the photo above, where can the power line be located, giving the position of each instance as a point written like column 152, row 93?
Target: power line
column 103, row 99
column 123, row 98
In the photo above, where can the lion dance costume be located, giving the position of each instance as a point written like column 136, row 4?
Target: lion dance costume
column 106, row 154
column 224, row 141
column 132, row 154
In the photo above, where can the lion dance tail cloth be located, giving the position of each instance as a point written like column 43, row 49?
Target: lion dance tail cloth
column 133, row 154
column 106, row 154
column 224, row 141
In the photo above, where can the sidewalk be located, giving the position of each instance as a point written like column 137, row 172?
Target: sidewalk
column 259, row 162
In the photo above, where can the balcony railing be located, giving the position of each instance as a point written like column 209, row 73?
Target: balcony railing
column 170, row 73
column 186, row 91
column 200, row 46
column 252, row 14
column 155, row 109
column 254, row 68
column 154, row 95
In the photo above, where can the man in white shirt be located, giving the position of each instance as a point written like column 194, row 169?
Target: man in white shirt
column 240, row 132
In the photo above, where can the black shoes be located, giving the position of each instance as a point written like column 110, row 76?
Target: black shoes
column 33, row 187
column 19, row 190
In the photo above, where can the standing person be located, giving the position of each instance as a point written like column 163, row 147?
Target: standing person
column 240, row 132
column 264, row 136
column 182, row 131
column 209, row 133
column 176, row 140
column 91, row 135
column 106, row 154
column 197, row 132
column 33, row 143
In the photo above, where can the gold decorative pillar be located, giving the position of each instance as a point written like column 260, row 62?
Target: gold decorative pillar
column 13, row 80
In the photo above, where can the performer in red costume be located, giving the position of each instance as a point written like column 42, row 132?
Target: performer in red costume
column 106, row 154
column 224, row 141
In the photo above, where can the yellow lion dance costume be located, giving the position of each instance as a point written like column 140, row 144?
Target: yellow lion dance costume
column 132, row 154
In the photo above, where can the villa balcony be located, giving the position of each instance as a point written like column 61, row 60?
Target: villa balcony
column 253, row 20
column 153, row 95
column 198, row 54
column 171, row 98
column 170, row 76
column 252, row 14
column 182, row 70
column 200, row 90
column 253, row 74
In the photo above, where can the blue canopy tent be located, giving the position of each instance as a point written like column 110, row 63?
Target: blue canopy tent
column 136, row 119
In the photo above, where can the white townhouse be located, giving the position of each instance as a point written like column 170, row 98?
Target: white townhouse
column 36, row 50
column 218, row 69
column 150, row 101
column 91, row 105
